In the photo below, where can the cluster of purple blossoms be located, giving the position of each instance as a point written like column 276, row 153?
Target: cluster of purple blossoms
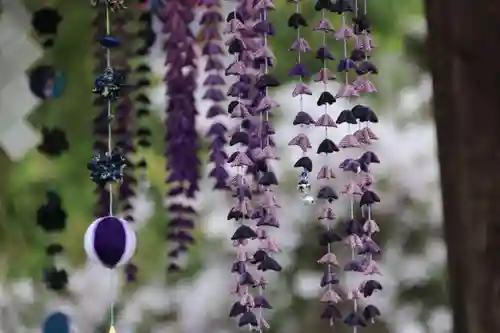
column 248, row 29
column 181, row 138
column 214, row 82
column 358, row 234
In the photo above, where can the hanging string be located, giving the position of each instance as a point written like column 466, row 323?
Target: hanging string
column 110, row 115
column 110, row 142
column 351, row 177
column 109, row 168
column 361, row 182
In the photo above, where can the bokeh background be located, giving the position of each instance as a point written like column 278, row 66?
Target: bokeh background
column 414, row 298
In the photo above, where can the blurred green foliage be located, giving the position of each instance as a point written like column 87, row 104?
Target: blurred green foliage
column 388, row 18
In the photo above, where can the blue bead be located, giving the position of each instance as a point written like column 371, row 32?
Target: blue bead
column 110, row 42
column 59, row 85
column 56, row 323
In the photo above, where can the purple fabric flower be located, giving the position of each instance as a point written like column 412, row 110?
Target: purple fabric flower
column 209, row 35
column 181, row 138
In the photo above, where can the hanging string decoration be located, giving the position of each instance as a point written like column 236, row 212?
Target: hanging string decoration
column 262, row 152
column 240, row 161
column 52, row 218
column 244, row 90
column 302, row 119
column 349, row 143
column 182, row 142
column 360, row 230
column 247, row 29
column 326, row 194
column 213, row 51
column 109, row 240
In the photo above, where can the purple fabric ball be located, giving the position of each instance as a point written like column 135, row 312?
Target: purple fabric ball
column 111, row 241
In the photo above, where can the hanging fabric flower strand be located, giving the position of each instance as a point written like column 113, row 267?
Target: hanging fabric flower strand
column 264, row 197
column 181, row 138
column 365, row 136
column 210, row 37
column 326, row 194
column 302, row 119
column 109, row 240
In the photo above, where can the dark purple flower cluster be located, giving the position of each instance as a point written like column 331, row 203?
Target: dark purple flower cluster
column 214, row 82
column 182, row 143
column 248, row 29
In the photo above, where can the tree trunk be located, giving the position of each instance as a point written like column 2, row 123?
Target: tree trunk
column 463, row 43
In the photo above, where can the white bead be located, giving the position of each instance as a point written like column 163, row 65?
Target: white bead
column 308, row 199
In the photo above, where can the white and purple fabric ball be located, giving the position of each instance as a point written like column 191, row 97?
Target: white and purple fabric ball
column 110, row 241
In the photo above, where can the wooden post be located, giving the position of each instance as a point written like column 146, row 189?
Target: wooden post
column 463, row 45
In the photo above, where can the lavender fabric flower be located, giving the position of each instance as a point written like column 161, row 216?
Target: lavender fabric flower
column 181, row 138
